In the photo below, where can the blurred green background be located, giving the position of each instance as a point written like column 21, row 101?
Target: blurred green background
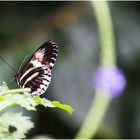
column 24, row 26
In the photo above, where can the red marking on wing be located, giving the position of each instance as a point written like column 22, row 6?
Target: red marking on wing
column 39, row 56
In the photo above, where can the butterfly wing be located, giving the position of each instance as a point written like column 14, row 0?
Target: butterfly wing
column 36, row 73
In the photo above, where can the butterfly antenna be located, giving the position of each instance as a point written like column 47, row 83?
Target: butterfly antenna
column 22, row 62
column 8, row 65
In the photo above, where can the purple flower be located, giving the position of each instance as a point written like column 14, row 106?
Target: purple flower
column 110, row 80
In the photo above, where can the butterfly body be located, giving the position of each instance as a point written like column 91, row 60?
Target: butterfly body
column 36, row 73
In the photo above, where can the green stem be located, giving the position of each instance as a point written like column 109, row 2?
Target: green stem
column 101, row 100
column 94, row 116
column 105, row 27
column 16, row 90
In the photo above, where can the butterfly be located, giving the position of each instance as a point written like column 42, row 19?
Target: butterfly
column 36, row 72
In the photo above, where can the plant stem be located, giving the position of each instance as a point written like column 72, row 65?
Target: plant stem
column 16, row 90
column 94, row 116
column 105, row 27
column 101, row 100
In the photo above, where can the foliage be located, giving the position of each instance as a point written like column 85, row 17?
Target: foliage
column 14, row 125
column 14, row 97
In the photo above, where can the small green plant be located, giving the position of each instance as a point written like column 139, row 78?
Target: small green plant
column 10, row 123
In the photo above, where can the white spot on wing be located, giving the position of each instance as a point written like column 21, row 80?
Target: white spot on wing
column 34, row 93
column 51, row 64
column 55, row 54
column 45, row 82
column 42, row 91
column 45, row 88
column 52, row 42
column 53, row 58
column 45, row 76
column 42, row 86
column 45, row 71
column 36, row 63
column 38, row 90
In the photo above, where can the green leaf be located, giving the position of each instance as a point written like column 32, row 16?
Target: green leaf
column 43, row 101
column 65, row 107
column 22, row 100
column 14, row 126
column 13, row 97
column 47, row 103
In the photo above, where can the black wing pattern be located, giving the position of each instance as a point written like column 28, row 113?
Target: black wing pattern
column 36, row 73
